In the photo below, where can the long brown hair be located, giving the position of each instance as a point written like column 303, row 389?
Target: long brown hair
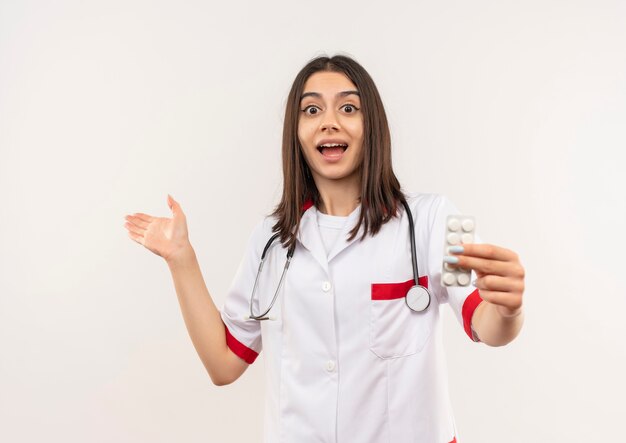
column 380, row 189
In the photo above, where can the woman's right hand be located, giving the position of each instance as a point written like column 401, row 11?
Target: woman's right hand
column 166, row 237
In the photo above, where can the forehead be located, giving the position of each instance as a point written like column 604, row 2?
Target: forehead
column 328, row 83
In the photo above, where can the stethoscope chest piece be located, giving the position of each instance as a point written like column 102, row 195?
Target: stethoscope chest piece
column 418, row 298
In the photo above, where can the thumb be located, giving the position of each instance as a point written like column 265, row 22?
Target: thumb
column 173, row 204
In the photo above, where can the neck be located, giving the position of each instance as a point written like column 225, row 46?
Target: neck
column 339, row 197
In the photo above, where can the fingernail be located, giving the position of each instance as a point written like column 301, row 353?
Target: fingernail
column 451, row 260
column 456, row 249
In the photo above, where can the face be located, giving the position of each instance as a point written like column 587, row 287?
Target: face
column 330, row 126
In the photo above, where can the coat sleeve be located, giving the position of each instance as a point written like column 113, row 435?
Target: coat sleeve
column 243, row 336
column 462, row 300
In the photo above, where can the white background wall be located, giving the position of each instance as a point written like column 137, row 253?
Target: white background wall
column 515, row 110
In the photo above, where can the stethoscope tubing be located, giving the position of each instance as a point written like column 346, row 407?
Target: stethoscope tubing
column 413, row 249
column 291, row 250
column 280, row 282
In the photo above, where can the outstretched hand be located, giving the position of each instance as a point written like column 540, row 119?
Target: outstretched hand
column 500, row 275
column 166, row 237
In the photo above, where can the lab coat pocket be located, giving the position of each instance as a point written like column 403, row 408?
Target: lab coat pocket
column 395, row 329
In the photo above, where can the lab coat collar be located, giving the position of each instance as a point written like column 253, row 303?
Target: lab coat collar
column 310, row 237
column 342, row 241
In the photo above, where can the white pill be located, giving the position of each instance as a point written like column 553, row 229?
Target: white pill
column 454, row 224
column 467, row 238
column 468, row 225
column 463, row 279
column 453, row 238
column 449, row 267
column 449, row 278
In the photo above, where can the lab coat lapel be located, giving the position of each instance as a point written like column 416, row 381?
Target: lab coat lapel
column 310, row 237
column 342, row 241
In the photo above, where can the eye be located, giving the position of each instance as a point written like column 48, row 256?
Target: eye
column 311, row 110
column 350, row 109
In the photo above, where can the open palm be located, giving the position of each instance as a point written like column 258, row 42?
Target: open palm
column 164, row 236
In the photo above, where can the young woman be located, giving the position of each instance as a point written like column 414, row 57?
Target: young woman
column 348, row 357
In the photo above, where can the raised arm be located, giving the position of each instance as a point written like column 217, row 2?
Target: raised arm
column 169, row 239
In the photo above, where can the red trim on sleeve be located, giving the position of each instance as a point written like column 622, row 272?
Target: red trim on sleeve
column 469, row 306
column 239, row 349
column 453, row 440
column 393, row 291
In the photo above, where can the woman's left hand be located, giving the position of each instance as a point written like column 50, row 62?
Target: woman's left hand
column 500, row 275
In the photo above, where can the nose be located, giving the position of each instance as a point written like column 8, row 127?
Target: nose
column 329, row 122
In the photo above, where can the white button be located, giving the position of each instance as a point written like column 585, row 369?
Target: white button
column 326, row 286
column 330, row 366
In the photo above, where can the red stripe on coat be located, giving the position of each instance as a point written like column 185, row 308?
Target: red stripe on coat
column 393, row 291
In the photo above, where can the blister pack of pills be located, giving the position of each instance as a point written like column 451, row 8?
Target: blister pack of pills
column 459, row 229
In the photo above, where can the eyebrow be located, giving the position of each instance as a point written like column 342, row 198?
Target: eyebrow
column 339, row 94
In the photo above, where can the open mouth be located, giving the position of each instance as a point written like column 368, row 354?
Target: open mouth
column 332, row 149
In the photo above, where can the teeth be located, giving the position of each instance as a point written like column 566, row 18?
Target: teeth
column 331, row 145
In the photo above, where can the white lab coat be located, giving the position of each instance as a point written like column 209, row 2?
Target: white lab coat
column 346, row 360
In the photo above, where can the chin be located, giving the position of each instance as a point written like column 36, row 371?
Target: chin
column 330, row 174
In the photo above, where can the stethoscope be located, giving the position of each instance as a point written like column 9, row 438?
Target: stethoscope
column 417, row 298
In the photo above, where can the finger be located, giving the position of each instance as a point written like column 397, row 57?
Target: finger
column 134, row 229
column 483, row 250
column 174, row 206
column 509, row 300
column 500, row 284
column 135, row 237
column 485, row 266
column 137, row 222
column 144, row 217
column 517, row 271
